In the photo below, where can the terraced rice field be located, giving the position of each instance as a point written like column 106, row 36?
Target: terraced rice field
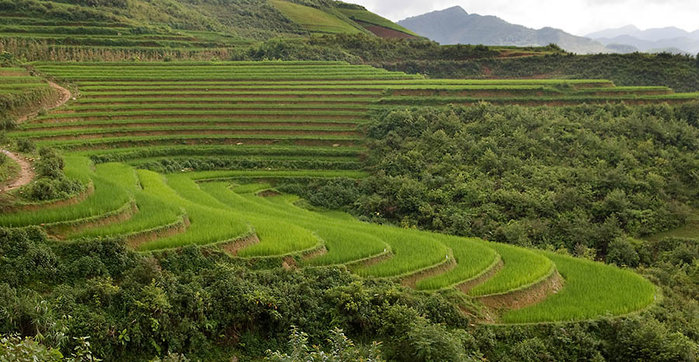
column 212, row 129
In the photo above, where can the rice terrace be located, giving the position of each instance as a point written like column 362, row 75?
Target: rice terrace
column 201, row 189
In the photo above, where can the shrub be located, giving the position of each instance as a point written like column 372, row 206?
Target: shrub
column 15, row 348
column 45, row 189
column 25, row 145
column 622, row 252
column 342, row 349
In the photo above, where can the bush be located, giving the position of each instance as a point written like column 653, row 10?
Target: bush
column 50, row 164
column 25, row 145
column 45, row 189
column 622, row 252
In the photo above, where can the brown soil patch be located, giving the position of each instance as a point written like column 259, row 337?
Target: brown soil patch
column 383, row 32
column 289, row 263
column 315, row 253
column 371, row 260
column 8, row 73
column 469, row 284
column 138, row 239
column 235, row 246
column 61, row 230
column 412, row 279
column 525, row 297
column 269, row 193
column 26, row 173
column 195, row 133
column 89, row 190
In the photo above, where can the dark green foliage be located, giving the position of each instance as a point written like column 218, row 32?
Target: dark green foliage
column 290, row 50
column 621, row 252
column 371, row 49
column 547, row 176
column 678, row 72
column 203, row 304
column 7, row 59
column 50, row 164
column 51, row 183
column 331, row 194
column 15, row 104
column 25, row 145
column 187, row 302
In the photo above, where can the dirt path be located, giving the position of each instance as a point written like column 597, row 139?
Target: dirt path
column 26, row 173
column 64, row 97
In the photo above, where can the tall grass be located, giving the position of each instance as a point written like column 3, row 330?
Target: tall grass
column 591, row 290
column 522, row 267
column 473, row 256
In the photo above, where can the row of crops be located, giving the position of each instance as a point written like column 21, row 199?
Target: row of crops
column 170, row 149
column 286, row 115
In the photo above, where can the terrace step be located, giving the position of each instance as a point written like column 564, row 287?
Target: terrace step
column 526, row 296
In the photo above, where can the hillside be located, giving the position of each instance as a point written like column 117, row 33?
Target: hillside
column 174, row 29
column 456, row 26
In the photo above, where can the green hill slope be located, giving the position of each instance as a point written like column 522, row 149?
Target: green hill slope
column 182, row 27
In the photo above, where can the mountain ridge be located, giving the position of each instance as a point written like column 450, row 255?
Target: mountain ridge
column 669, row 38
column 455, row 25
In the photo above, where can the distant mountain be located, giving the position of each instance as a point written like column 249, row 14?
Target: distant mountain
column 456, row 26
column 670, row 39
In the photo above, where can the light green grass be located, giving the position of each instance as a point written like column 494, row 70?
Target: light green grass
column 521, row 268
column 210, row 223
column 591, row 290
column 153, row 212
column 473, row 256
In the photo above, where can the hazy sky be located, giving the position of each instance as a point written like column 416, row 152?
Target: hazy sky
column 575, row 16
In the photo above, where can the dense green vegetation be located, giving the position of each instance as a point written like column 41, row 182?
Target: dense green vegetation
column 679, row 72
column 563, row 177
column 206, row 305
